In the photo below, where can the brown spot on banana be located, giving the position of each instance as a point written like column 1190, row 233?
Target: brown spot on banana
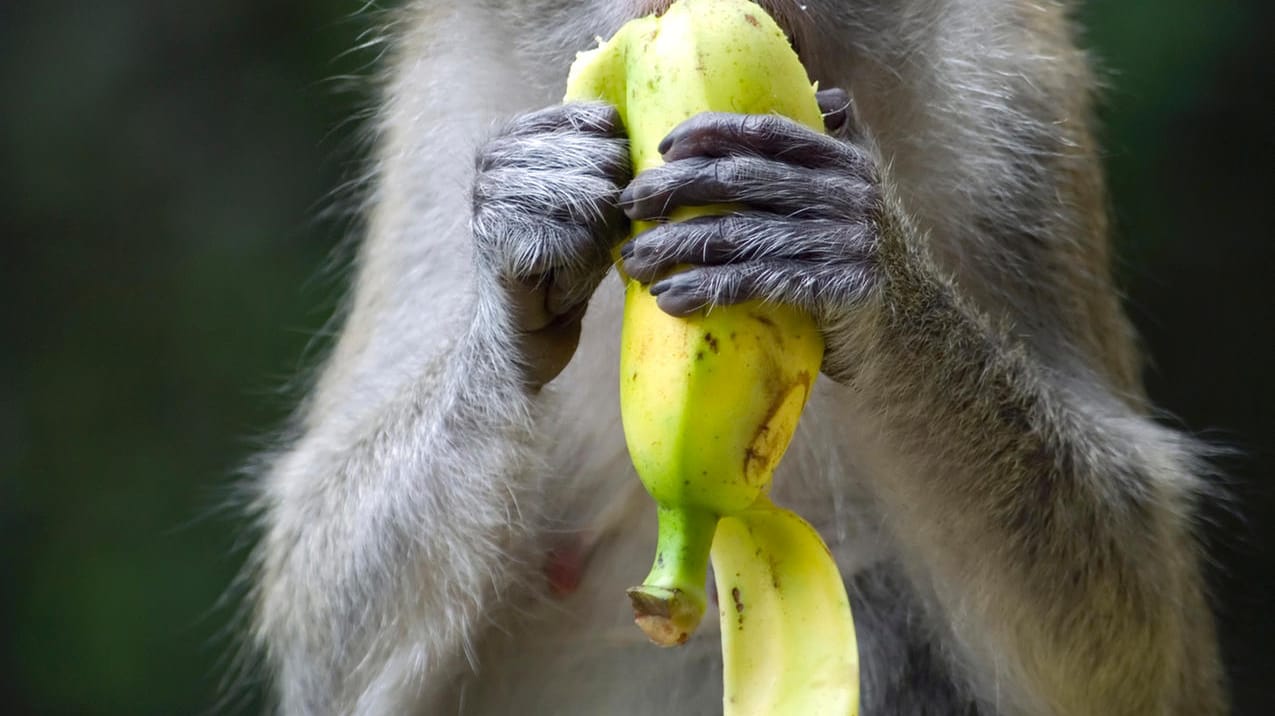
column 772, row 436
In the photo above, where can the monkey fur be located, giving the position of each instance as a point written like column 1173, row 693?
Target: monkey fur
column 1015, row 529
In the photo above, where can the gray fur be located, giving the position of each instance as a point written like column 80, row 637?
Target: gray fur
column 1016, row 529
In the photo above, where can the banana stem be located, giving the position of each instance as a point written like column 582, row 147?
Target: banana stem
column 670, row 603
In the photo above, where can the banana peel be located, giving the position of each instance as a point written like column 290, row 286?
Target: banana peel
column 788, row 640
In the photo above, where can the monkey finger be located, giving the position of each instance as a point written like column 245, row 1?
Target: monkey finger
column 841, row 119
column 559, row 298
column 593, row 117
column 568, row 290
column 718, row 134
column 743, row 236
column 523, row 247
column 834, row 105
column 546, row 352
column 754, row 181
column 700, row 241
column 544, row 155
column 818, row 288
column 687, row 292
column 511, row 190
column 527, row 301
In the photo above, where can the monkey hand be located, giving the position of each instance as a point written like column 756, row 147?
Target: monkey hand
column 804, row 229
column 545, row 219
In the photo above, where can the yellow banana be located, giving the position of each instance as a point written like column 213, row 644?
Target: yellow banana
column 710, row 402
column 788, row 643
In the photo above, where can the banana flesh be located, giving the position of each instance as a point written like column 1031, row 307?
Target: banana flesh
column 710, row 402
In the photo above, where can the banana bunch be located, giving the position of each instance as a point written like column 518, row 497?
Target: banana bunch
column 710, row 402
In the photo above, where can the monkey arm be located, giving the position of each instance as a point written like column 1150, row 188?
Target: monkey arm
column 408, row 504
column 1045, row 518
column 1043, row 513
column 408, row 507
column 386, row 542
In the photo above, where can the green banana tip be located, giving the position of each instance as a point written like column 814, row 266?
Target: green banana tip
column 666, row 616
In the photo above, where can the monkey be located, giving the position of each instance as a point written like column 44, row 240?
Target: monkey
column 453, row 522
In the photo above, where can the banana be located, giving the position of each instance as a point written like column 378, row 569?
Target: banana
column 710, row 402
column 788, row 642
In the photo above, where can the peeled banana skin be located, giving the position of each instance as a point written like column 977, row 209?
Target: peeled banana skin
column 710, row 402
column 788, row 641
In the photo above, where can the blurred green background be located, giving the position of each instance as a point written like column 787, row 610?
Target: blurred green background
column 167, row 174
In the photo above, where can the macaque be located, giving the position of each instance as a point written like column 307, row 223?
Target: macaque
column 453, row 524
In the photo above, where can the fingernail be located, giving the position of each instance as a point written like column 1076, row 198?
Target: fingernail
column 665, row 144
column 661, row 287
column 626, row 251
column 626, row 196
